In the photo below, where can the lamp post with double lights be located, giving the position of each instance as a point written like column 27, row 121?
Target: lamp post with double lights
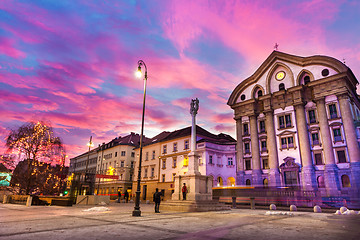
column 137, row 212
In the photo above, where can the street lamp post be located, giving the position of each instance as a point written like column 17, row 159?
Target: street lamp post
column 100, row 171
column 87, row 176
column 137, row 212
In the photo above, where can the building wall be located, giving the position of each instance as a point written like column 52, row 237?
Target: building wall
column 312, row 86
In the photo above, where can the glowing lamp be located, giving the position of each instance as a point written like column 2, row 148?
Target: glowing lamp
column 138, row 73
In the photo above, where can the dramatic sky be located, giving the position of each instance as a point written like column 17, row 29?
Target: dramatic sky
column 72, row 62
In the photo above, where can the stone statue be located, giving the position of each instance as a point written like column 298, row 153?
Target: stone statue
column 194, row 106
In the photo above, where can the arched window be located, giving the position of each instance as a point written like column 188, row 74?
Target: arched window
column 281, row 86
column 345, row 180
column 248, row 182
column 265, row 182
column 219, row 181
column 260, row 93
column 306, row 79
column 320, row 181
column 231, row 181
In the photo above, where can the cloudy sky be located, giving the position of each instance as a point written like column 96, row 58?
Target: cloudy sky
column 72, row 62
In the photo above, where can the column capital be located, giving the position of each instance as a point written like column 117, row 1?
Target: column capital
column 299, row 106
column 269, row 112
column 320, row 100
column 343, row 96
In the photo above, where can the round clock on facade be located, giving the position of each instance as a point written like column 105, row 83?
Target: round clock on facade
column 280, row 75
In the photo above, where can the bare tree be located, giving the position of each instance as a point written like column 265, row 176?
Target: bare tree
column 36, row 143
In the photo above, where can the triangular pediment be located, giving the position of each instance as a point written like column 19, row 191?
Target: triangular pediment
column 279, row 61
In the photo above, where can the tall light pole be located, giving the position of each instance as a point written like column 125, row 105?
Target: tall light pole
column 137, row 212
column 87, row 176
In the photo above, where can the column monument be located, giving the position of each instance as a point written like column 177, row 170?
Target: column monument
column 199, row 195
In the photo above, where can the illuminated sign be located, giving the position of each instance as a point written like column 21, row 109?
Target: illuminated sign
column 5, row 179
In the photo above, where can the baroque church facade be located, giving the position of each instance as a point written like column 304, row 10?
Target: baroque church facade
column 298, row 125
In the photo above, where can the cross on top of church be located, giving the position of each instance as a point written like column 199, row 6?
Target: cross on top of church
column 276, row 46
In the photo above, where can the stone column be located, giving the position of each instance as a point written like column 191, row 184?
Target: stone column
column 308, row 177
column 331, row 171
column 351, row 140
column 274, row 175
column 239, row 153
column 193, row 164
column 255, row 152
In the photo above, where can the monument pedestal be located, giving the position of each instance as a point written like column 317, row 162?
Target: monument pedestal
column 198, row 197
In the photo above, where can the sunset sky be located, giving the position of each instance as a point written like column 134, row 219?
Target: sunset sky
column 72, row 62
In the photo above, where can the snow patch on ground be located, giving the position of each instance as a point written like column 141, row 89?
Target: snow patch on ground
column 278, row 213
column 345, row 211
column 97, row 209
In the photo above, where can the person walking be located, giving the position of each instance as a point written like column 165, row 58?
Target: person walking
column 126, row 196
column 119, row 196
column 184, row 191
column 157, row 199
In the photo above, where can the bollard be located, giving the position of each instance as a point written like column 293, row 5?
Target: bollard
column 5, row 199
column 29, row 201
column 293, row 208
column 252, row 203
column 233, row 202
column 272, row 207
column 317, row 209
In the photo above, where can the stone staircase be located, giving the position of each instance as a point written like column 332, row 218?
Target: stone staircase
column 193, row 206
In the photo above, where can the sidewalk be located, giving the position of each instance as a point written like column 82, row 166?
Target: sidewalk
column 54, row 222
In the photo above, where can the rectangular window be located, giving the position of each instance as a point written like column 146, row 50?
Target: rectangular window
column 283, row 143
column 163, row 164
column 332, row 111
column 132, row 164
column 288, row 120
column 290, row 142
column 341, row 156
column 145, row 172
column 164, row 149
column 175, row 147
column 247, row 164
column 122, row 164
column 210, row 159
column 318, row 159
column 262, row 126
column 230, row 161
column 312, row 117
column 132, row 154
column 315, row 138
column 163, row 178
column 115, row 154
column 186, row 144
column 281, row 122
column 122, row 153
column 337, row 134
column 186, row 161
column 265, row 163
column 146, row 156
column 130, row 177
column 152, row 172
column 263, row 146
column 173, row 176
column 247, row 147
column 174, row 162
column 246, row 129
column 153, row 155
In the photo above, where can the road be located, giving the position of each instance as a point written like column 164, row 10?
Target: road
column 55, row 222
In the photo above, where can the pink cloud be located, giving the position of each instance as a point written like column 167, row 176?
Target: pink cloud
column 7, row 48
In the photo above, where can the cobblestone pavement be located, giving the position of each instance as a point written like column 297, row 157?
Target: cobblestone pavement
column 54, row 222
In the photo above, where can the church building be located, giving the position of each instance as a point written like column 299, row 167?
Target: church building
column 298, row 125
